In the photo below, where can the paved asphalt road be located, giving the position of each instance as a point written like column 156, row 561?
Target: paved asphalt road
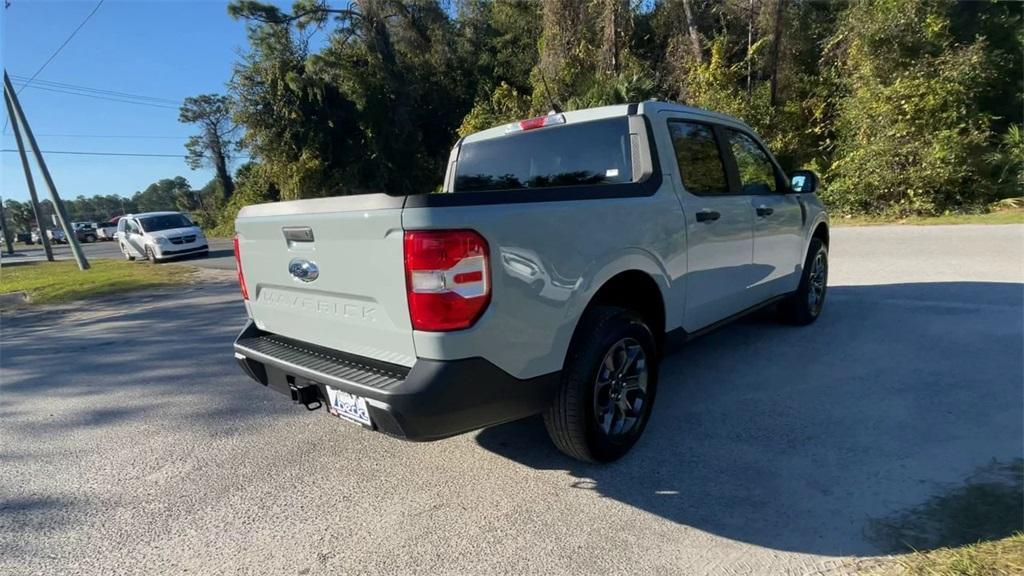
column 130, row 442
column 221, row 254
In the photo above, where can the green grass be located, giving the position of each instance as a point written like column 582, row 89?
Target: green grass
column 1010, row 216
column 50, row 282
column 1003, row 557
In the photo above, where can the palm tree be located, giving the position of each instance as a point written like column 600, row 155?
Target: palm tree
column 1010, row 156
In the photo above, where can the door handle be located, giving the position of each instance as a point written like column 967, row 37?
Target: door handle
column 763, row 211
column 708, row 216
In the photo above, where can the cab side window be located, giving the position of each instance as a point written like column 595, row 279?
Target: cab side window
column 756, row 171
column 697, row 155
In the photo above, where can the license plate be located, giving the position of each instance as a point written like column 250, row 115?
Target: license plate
column 348, row 406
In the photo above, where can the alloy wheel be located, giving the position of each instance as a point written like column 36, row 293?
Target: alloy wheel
column 816, row 283
column 620, row 389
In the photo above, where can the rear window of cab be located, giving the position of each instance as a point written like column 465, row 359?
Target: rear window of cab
column 579, row 154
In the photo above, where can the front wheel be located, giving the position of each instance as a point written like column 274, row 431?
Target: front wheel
column 151, row 256
column 805, row 305
column 608, row 386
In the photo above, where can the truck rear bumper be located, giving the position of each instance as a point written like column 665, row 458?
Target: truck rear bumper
column 432, row 400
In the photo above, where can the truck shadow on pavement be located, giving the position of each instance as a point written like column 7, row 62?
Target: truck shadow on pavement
column 891, row 411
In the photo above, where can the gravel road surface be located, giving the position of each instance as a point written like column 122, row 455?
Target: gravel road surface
column 131, row 443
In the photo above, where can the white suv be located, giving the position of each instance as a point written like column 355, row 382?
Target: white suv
column 159, row 235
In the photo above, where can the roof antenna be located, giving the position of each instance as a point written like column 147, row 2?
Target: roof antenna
column 555, row 108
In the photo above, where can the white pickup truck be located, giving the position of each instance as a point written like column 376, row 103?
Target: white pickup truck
column 564, row 255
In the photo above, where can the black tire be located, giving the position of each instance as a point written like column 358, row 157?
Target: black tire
column 572, row 420
column 90, row 239
column 127, row 255
column 151, row 256
column 800, row 309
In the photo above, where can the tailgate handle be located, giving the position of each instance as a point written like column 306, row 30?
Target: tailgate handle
column 298, row 233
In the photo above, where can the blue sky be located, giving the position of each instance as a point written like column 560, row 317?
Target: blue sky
column 165, row 49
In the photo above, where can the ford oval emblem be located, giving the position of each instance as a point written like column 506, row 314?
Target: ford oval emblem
column 303, row 270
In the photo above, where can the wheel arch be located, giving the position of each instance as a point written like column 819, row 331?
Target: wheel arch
column 634, row 290
column 821, row 232
column 635, row 282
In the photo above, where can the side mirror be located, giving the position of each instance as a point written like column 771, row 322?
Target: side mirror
column 803, row 182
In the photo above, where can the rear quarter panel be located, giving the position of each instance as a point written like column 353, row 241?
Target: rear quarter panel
column 547, row 261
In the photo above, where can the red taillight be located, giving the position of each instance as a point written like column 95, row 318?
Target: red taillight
column 446, row 278
column 238, row 266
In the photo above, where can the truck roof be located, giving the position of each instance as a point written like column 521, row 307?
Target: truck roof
column 648, row 107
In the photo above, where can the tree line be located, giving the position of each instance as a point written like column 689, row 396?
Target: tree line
column 902, row 106
column 165, row 194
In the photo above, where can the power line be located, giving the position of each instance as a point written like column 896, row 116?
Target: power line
column 83, row 153
column 101, row 97
column 78, row 88
column 63, row 44
column 57, row 86
column 55, row 52
column 125, row 136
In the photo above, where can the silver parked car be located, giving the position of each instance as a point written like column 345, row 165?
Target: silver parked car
column 564, row 256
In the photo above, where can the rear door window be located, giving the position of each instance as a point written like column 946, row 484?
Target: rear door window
column 582, row 154
column 757, row 173
column 699, row 158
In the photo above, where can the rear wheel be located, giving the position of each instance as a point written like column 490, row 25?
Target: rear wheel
column 127, row 255
column 608, row 386
column 805, row 305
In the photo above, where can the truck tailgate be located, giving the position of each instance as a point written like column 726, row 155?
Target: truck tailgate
column 357, row 301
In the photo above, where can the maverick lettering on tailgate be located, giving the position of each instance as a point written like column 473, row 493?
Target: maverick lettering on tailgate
column 318, row 305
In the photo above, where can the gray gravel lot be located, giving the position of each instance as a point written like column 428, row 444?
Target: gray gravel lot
column 130, row 442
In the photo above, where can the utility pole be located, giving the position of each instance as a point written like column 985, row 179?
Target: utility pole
column 36, row 211
column 58, row 205
column 7, row 229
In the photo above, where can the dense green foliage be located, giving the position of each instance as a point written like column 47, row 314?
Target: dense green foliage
column 904, row 107
column 911, row 132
